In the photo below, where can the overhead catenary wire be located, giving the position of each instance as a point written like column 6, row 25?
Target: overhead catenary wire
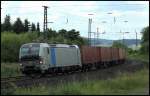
column 77, row 5
column 83, row 5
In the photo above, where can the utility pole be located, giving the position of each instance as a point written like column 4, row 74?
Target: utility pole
column 123, row 37
column 97, row 34
column 89, row 31
column 45, row 22
column 136, row 38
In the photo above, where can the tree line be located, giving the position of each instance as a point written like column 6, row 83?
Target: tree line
column 18, row 26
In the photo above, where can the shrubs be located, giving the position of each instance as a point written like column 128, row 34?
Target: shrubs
column 10, row 44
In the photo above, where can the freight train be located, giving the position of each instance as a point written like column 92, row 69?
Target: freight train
column 51, row 58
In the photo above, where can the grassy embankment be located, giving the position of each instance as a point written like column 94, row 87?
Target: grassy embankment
column 137, row 56
column 136, row 83
column 10, row 69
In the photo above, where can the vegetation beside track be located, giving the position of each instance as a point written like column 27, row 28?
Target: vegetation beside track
column 10, row 70
column 126, row 83
column 138, row 56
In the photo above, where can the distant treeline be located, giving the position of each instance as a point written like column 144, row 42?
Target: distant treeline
column 18, row 26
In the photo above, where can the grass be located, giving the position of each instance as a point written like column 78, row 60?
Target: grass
column 126, row 83
column 10, row 69
column 138, row 56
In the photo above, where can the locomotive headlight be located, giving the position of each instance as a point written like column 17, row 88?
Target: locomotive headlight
column 41, row 62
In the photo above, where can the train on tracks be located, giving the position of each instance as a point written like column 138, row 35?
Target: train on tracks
column 43, row 57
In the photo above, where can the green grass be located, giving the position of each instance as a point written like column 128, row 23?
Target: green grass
column 138, row 56
column 10, row 69
column 135, row 83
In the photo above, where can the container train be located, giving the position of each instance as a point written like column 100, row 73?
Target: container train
column 44, row 57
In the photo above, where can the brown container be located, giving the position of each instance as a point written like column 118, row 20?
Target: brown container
column 105, row 54
column 121, row 53
column 115, row 53
column 99, row 54
column 89, row 54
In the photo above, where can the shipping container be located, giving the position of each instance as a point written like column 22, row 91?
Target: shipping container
column 115, row 54
column 89, row 54
column 99, row 54
column 105, row 54
column 121, row 53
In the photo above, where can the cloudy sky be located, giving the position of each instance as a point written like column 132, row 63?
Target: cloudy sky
column 74, row 15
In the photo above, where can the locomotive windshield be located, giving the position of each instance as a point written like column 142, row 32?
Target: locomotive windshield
column 30, row 50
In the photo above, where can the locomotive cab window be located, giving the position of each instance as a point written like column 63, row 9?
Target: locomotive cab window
column 29, row 51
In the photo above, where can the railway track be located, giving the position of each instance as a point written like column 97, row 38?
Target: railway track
column 9, row 79
column 53, row 79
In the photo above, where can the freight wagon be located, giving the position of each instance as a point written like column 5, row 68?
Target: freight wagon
column 43, row 57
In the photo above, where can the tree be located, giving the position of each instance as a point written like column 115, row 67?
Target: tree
column 18, row 26
column 51, row 33
column 72, row 34
column 62, row 32
column 26, row 25
column 2, row 29
column 118, row 44
column 145, row 40
column 33, row 28
column 38, row 27
column 7, row 25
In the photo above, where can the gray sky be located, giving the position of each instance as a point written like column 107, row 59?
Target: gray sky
column 74, row 15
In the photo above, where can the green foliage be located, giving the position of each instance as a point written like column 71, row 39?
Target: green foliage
column 138, row 56
column 145, row 41
column 72, row 34
column 6, row 26
column 33, row 28
column 10, row 69
column 38, row 27
column 145, row 32
column 18, row 26
column 26, row 27
column 51, row 33
column 11, row 42
column 63, row 32
column 124, row 84
column 2, row 28
column 118, row 44
column 131, row 51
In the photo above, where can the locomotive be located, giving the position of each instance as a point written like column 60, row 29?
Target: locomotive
column 51, row 58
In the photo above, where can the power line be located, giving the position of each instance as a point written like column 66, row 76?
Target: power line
column 83, row 5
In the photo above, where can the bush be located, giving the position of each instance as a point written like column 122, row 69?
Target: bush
column 11, row 42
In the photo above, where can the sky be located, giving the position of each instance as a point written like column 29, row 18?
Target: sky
column 108, row 16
